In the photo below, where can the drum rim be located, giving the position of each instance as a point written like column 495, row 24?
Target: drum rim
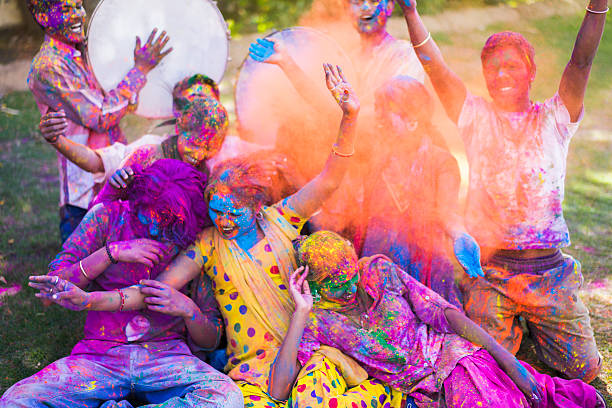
column 228, row 36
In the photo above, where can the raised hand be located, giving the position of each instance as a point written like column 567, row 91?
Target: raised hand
column 53, row 125
column 300, row 291
column 407, row 4
column 122, row 178
column 341, row 90
column 60, row 291
column 165, row 299
column 268, row 50
column 142, row 250
column 146, row 57
column 467, row 253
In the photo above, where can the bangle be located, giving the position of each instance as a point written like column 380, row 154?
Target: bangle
column 83, row 270
column 122, row 297
column 53, row 140
column 422, row 43
column 110, row 257
column 598, row 11
column 337, row 153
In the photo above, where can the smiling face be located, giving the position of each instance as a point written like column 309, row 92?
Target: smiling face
column 64, row 20
column 231, row 219
column 508, row 77
column 340, row 289
column 370, row 16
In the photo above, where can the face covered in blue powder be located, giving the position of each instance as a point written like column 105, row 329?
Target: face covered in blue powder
column 370, row 16
column 232, row 220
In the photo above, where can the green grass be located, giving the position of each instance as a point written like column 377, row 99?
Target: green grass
column 33, row 336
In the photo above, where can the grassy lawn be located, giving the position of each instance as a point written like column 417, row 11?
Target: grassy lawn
column 33, row 336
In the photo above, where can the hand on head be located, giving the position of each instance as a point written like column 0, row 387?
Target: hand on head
column 59, row 291
column 53, row 125
column 122, row 178
column 146, row 57
column 407, row 4
column 300, row 291
column 341, row 90
column 268, row 50
column 141, row 250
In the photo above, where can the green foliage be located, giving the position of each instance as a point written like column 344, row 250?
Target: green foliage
column 261, row 15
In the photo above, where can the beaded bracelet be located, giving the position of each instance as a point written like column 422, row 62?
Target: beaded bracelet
column 122, row 296
column 110, row 257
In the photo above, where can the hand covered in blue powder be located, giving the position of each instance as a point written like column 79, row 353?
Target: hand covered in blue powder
column 60, row 291
column 268, row 50
column 467, row 253
column 407, row 4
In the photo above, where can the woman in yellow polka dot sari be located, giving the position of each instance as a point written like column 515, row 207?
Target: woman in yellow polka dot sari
column 249, row 257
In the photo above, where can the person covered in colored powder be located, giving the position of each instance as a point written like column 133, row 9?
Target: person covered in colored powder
column 248, row 255
column 406, row 335
column 414, row 214
column 517, row 153
column 61, row 79
column 376, row 58
column 136, row 354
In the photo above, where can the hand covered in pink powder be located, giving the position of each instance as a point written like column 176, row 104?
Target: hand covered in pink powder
column 146, row 57
column 60, row 291
column 341, row 90
column 165, row 299
column 141, row 250
column 300, row 291
column 122, row 178
column 53, row 125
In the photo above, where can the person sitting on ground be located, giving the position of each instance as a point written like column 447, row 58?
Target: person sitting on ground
column 413, row 210
column 125, row 243
column 405, row 335
column 60, row 79
column 517, row 153
column 248, row 255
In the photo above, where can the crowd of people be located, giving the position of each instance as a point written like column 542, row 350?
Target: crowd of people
column 217, row 272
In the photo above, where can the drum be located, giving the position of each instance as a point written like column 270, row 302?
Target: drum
column 264, row 96
column 198, row 34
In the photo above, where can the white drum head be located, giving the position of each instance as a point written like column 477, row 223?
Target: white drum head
column 198, row 35
column 264, row 96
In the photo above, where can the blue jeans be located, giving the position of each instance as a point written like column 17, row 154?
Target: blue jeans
column 70, row 218
column 162, row 374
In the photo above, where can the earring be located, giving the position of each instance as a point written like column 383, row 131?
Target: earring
column 259, row 216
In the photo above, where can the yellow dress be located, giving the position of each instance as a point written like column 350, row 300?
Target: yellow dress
column 251, row 349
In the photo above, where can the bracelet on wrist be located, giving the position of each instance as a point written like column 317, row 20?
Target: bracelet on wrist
column 83, row 270
column 122, row 299
column 340, row 154
column 597, row 11
column 422, row 43
column 110, row 256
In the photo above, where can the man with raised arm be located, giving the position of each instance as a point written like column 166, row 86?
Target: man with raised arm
column 61, row 79
column 517, row 152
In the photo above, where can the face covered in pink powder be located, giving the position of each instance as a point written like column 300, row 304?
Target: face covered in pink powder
column 63, row 19
column 201, row 128
column 332, row 262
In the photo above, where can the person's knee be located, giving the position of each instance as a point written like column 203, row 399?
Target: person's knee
column 21, row 395
column 584, row 368
column 234, row 398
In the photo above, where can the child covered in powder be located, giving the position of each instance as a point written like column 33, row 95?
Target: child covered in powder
column 517, row 153
column 405, row 335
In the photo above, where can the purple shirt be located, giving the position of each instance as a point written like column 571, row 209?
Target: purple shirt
column 404, row 338
column 109, row 223
column 60, row 78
